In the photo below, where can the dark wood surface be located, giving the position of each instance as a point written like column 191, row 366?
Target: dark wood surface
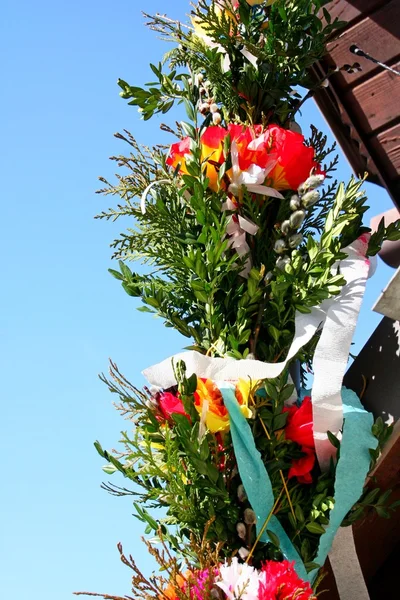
column 387, row 147
column 353, row 9
column 375, row 104
column 362, row 107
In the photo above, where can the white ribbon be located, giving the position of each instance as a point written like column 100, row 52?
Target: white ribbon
column 338, row 315
column 253, row 178
column 237, row 228
column 162, row 374
column 146, row 191
column 346, row 567
column 332, row 352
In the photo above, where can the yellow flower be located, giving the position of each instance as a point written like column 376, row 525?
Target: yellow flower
column 217, row 416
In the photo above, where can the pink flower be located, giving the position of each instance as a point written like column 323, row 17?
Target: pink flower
column 170, row 405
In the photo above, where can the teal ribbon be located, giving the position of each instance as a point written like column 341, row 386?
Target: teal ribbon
column 351, row 472
column 255, row 478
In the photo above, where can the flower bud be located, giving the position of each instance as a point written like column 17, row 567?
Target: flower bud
column 285, row 227
column 204, row 107
column 242, row 496
column 297, row 218
column 294, row 203
column 214, row 108
column 268, row 277
column 310, row 198
column 250, row 517
column 241, row 530
column 200, row 77
column 280, row 246
column 243, row 553
column 315, row 180
column 217, row 118
column 295, row 240
column 311, row 183
column 282, row 262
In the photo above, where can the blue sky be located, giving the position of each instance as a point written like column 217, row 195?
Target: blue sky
column 62, row 314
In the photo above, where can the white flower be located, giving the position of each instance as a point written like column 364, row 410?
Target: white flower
column 238, row 581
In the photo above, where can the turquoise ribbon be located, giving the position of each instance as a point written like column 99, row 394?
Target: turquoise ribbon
column 351, row 472
column 255, row 478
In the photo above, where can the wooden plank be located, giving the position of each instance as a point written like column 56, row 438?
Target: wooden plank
column 349, row 10
column 386, row 146
column 377, row 34
column 375, row 103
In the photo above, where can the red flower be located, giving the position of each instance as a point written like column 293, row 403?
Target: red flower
column 299, row 424
column 299, row 429
column 295, row 159
column 279, row 581
column 302, row 467
column 282, row 153
column 170, row 405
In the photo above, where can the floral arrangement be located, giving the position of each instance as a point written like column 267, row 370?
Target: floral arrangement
column 260, row 258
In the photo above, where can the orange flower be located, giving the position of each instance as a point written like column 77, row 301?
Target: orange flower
column 211, row 151
column 217, row 416
column 170, row 590
column 295, row 159
column 286, row 160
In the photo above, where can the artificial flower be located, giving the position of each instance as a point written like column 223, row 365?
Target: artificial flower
column 238, row 580
column 299, row 424
column 296, row 161
column 302, row 467
column 211, row 151
column 279, row 581
column 201, row 582
column 263, row 161
column 170, row 591
column 299, row 429
column 207, row 396
column 170, row 405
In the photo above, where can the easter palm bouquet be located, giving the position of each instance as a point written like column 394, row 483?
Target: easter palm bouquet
column 259, row 258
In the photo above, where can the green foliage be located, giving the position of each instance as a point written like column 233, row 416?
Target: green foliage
column 391, row 233
column 291, row 42
column 192, row 277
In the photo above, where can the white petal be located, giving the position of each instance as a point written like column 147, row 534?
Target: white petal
column 263, row 190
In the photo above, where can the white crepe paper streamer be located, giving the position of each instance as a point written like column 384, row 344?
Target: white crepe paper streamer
column 162, row 374
column 332, row 352
column 346, row 567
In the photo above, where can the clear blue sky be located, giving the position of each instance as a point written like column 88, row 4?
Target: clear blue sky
column 62, row 314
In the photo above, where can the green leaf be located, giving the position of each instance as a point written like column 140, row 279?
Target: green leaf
column 333, row 439
column 116, row 274
column 316, row 528
column 274, row 538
